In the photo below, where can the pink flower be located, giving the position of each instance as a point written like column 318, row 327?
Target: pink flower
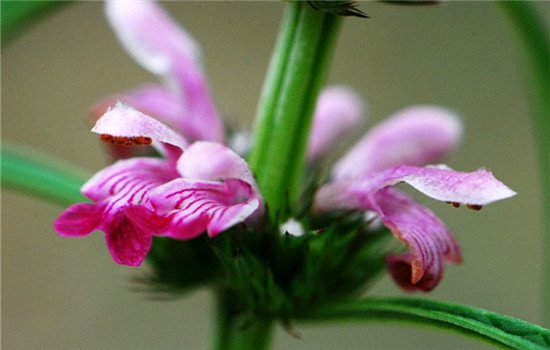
column 207, row 187
column 393, row 153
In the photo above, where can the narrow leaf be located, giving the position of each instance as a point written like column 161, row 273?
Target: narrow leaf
column 19, row 15
column 495, row 328
column 41, row 176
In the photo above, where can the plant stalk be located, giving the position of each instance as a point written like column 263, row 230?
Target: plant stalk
column 239, row 330
column 297, row 70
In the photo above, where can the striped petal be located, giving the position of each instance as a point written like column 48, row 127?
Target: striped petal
column 428, row 240
column 339, row 110
column 113, row 190
column 157, row 43
column 414, row 136
column 196, row 206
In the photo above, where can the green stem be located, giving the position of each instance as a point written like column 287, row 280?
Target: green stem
column 41, row 176
column 533, row 33
column 236, row 330
column 297, row 71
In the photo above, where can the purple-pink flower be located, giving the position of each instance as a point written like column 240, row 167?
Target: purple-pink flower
column 196, row 188
column 390, row 154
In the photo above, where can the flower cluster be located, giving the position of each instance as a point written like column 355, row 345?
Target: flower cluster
column 199, row 185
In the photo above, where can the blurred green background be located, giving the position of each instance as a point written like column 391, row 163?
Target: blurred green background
column 68, row 294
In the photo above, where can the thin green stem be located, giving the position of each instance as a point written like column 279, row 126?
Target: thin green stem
column 236, row 330
column 297, row 71
column 41, row 176
column 532, row 31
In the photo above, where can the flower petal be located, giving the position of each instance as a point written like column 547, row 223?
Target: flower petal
column 427, row 238
column 196, row 206
column 124, row 124
column 128, row 181
column 201, row 120
column 115, row 189
column 152, row 99
column 400, row 268
column 414, row 136
column 127, row 243
column 157, row 43
column 78, row 220
column 339, row 109
column 475, row 188
column 213, row 161
column 149, row 34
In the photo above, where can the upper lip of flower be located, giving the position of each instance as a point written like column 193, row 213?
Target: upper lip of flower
column 165, row 49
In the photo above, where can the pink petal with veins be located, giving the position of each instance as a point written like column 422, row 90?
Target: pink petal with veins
column 196, row 206
column 128, row 243
column 427, row 238
column 125, row 184
column 78, row 220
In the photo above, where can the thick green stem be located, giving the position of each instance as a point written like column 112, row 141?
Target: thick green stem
column 297, row 71
column 533, row 34
column 236, row 330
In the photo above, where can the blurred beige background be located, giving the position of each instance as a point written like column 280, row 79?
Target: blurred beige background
column 67, row 293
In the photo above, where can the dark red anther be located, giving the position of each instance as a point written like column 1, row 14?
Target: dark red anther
column 126, row 141
column 474, row 206
column 454, row 204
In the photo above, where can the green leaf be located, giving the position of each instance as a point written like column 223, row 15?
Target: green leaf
column 495, row 328
column 533, row 32
column 17, row 16
column 40, row 175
